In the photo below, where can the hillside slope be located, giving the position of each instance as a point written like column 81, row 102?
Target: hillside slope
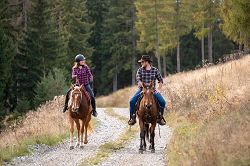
column 209, row 110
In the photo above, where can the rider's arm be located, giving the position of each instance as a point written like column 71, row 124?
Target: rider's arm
column 139, row 77
column 160, row 80
column 159, row 86
column 73, row 74
column 89, row 74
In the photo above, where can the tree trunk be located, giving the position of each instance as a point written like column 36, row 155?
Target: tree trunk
column 158, row 61
column 210, row 45
column 178, row 36
column 133, row 46
column 202, row 51
column 157, row 39
column 115, row 82
column 247, row 44
column 25, row 14
column 178, row 57
column 164, row 66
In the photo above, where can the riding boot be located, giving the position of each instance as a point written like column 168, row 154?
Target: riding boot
column 65, row 107
column 132, row 120
column 161, row 121
column 94, row 113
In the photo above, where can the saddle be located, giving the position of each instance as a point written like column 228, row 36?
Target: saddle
column 137, row 104
column 86, row 94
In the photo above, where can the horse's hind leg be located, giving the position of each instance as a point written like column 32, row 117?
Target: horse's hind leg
column 82, row 130
column 71, row 123
column 152, row 136
column 146, row 132
column 78, row 132
column 86, row 129
column 142, row 136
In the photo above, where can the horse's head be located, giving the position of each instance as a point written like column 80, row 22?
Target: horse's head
column 148, row 91
column 76, row 97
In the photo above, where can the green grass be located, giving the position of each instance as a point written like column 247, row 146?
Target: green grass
column 22, row 149
column 108, row 148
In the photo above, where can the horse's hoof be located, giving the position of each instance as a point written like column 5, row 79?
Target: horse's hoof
column 144, row 148
column 71, row 147
column 77, row 145
column 141, row 151
column 150, row 147
column 81, row 146
column 152, row 150
column 85, row 142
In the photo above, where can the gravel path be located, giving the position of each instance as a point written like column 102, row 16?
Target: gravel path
column 109, row 129
column 130, row 156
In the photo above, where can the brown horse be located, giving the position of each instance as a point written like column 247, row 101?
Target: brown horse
column 147, row 114
column 79, row 111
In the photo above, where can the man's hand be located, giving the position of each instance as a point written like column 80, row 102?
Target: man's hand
column 158, row 90
column 139, row 84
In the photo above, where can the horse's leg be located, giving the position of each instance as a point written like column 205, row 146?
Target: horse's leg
column 152, row 137
column 146, row 131
column 86, row 128
column 78, row 132
column 71, row 123
column 142, row 136
column 82, row 130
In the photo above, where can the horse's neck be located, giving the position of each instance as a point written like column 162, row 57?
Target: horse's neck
column 84, row 98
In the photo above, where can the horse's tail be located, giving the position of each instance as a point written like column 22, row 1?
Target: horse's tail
column 146, row 131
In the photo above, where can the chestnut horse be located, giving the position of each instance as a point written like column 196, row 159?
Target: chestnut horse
column 147, row 114
column 79, row 112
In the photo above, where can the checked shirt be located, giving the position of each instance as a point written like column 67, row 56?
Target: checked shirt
column 146, row 76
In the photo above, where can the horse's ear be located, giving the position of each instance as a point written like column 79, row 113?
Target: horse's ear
column 151, row 84
column 143, row 85
column 72, row 87
column 81, row 87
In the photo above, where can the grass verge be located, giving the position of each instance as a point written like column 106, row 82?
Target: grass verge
column 108, row 148
column 24, row 147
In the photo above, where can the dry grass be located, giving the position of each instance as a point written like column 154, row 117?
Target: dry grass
column 209, row 112
column 117, row 99
column 47, row 125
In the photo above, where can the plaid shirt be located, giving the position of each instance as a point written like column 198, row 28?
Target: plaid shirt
column 84, row 74
column 146, row 76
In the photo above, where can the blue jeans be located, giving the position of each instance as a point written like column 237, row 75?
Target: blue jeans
column 89, row 90
column 136, row 96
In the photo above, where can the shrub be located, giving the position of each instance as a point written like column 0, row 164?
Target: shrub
column 53, row 84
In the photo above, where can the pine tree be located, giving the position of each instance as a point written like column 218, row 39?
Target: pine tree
column 205, row 19
column 236, row 18
column 97, row 10
column 8, row 35
column 7, row 53
column 161, row 23
column 37, row 49
column 76, row 29
column 117, row 39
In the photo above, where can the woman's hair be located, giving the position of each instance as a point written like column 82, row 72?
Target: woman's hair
column 76, row 64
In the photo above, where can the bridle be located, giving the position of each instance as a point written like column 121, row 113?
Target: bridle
column 147, row 105
column 74, row 104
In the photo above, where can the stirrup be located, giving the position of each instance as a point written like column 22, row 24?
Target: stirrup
column 131, row 121
column 94, row 113
column 64, row 109
column 161, row 121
